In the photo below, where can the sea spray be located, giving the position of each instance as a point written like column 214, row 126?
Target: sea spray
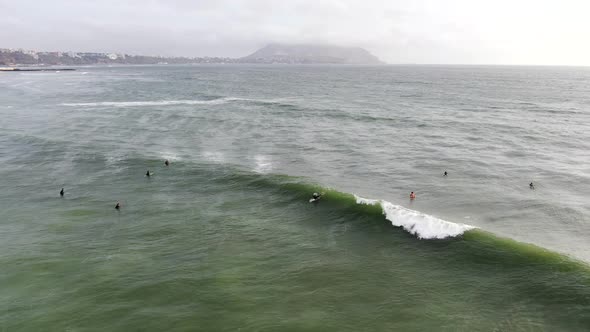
column 419, row 224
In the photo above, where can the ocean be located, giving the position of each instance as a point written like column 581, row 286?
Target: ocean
column 225, row 238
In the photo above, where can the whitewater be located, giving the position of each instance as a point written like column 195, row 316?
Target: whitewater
column 422, row 225
column 224, row 236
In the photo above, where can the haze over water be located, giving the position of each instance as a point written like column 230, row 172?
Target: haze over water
column 225, row 238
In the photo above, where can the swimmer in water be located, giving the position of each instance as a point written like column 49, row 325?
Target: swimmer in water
column 531, row 185
column 118, row 206
column 445, row 173
column 412, row 195
column 166, row 162
column 61, row 193
column 148, row 173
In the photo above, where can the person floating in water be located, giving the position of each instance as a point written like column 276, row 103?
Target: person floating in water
column 166, row 162
column 61, row 193
column 445, row 173
column 531, row 185
column 315, row 197
column 118, row 206
column 412, row 195
column 148, row 174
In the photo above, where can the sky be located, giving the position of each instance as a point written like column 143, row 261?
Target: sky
column 541, row 32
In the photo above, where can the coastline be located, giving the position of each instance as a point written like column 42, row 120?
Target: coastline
column 12, row 69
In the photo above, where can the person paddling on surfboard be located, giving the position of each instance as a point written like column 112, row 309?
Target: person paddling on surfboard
column 118, row 206
column 315, row 197
column 61, row 193
column 166, row 162
column 148, row 174
column 531, row 185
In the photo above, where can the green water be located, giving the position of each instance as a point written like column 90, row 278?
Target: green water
column 225, row 239
column 200, row 249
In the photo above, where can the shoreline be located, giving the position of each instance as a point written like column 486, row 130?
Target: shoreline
column 10, row 69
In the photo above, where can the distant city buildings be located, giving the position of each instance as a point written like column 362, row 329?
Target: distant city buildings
column 14, row 57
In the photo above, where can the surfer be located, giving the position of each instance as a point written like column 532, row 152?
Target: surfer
column 445, row 173
column 118, row 206
column 61, row 193
column 531, row 185
column 412, row 195
column 148, row 173
column 166, row 162
column 315, row 197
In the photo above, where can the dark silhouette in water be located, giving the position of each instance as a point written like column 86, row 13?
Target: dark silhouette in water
column 445, row 173
column 412, row 195
column 148, row 173
column 61, row 193
column 531, row 185
column 315, row 198
column 118, row 206
column 166, row 162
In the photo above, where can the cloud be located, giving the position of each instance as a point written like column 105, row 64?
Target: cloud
column 420, row 31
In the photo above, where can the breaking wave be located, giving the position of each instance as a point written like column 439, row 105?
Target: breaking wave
column 213, row 101
column 421, row 225
column 150, row 103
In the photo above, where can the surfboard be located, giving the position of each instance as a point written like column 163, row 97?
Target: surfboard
column 311, row 200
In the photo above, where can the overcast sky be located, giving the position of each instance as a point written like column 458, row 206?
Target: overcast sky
column 411, row 31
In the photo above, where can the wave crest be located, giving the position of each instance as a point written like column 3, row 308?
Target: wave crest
column 151, row 103
column 215, row 101
column 421, row 225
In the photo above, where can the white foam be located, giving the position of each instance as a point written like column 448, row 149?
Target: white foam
column 214, row 156
column 151, row 103
column 217, row 101
column 263, row 164
column 114, row 158
column 421, row 225
column 169, row 155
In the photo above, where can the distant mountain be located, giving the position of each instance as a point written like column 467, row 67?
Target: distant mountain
column 285, row 53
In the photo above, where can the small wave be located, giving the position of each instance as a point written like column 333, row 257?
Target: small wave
column 419, row 224
column 150, row 103
column 169, row 155
column 215, row 101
